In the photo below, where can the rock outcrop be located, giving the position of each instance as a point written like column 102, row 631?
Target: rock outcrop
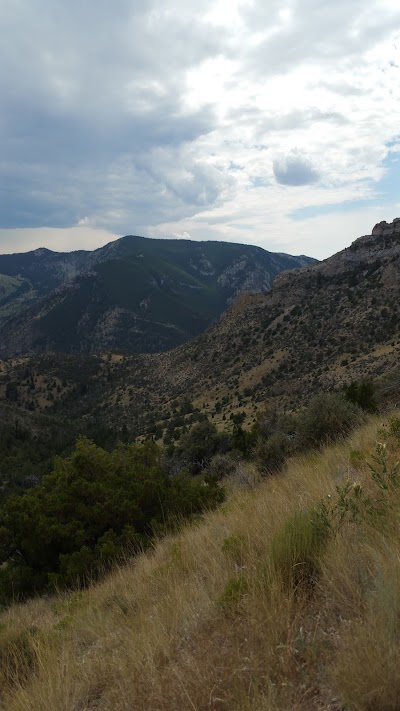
column 386, row 228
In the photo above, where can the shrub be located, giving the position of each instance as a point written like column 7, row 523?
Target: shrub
column 270, row 422
column 270, row 454
column 394, row 427
column 356, row 459
column 222, row 465
column 233, row 593
column 88, row 512
column 297, row 547
column 363, row 394
column 243, row 440
column 355, row 504
column 200, row 444
column 328, row 417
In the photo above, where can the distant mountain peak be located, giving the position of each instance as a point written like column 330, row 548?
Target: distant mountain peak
column 42, row 252
column 94, row 301
column 316, row 329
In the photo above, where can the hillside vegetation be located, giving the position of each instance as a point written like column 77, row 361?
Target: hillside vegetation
column 286, row 597
column 217, row 557
column 318, row 328
column 133, row 295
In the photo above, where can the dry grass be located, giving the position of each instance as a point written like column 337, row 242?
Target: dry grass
column 207, row 621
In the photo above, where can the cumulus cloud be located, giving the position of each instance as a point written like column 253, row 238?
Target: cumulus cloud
column 295, row 169
column 179, row 118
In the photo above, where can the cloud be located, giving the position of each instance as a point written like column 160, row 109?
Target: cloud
column 129, row 116
column 295, row 169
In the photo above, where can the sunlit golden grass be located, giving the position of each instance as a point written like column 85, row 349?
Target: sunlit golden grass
column 208, row 620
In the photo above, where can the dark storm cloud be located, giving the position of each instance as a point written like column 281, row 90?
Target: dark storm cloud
column 62, row 168
column 87, row 88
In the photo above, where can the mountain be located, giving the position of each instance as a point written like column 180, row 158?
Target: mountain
column 279, row 599
column 134, row 294
column 319, row 327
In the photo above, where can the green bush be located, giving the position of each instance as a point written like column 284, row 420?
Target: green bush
column 363, row 394
column 297, row 547
column 93, row 508
column 356, row 459
column 222, row 465
column 270, row 454
column 270, row 422
column 233, row 594
column 243, row 440
column 327, row 418
column 200, row 444
column 354, row 503
column 394, row 427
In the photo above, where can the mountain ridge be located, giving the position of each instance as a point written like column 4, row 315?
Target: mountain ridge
column 133, row 294
column 317, row 329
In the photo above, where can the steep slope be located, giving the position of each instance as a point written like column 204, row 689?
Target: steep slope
column 135, row 294
column 211, row 618
column 319, row 327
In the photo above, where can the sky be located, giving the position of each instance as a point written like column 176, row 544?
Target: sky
column 268, row 122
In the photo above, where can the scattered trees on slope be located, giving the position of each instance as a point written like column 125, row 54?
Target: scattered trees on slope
column 94, row 507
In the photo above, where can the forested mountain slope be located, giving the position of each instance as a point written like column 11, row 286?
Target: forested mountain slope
column 135, row 294
column 319, row 327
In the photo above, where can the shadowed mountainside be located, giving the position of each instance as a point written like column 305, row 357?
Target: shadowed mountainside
column 319, row 327
column 135, row 294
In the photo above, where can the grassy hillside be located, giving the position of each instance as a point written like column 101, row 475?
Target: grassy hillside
column 287, row 597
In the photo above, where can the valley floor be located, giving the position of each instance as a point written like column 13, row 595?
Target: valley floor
column 287, row 597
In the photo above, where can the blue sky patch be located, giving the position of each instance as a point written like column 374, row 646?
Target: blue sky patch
column 387, row 190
